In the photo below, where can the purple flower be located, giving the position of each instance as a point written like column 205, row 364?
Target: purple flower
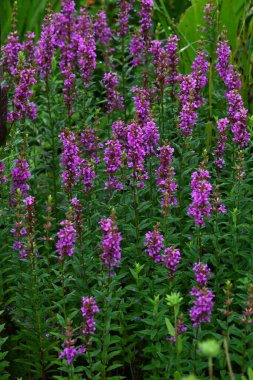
column 140, row 42
column 70, row 353
column 171, row 258
column 10, row 52
column 89, row 309
column 86, row 49
column 90, row 144
column 154, row 243
column 142, row 101
column 111, row 251
column 46, row 47
column 165, row 180
column 190, row 93
column 66, row 239
column 202, row 306
column 151, row 136
column 119, row 129
column 22, row 105
column 113, row 159
column 201, row 190
column 221, row 143
column 135, row 150
column 102, row 31
column 208, row 13
column 124, row 8
column 70, row 160
column 28, row 46
column 88, row 175
column 114, row 99
column 238, row 118
column 20, row 175
column 78, row 211
column 202, row 273
column 165, row 62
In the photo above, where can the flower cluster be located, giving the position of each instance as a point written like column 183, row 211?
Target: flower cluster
column 66, row 239
column 88, row 175
column 89, row 309
column 165, row 62
column 165, row 180
column 190, row 93
column 124, row 9
column 10, row 52
column 154, row 244
column 20, row 175
column 171, row 258
column 46, row 46
column 22, row 105
column 140, row 42
column 86, row 47
column 70, row 160
column 136, row 153
column 78, row 220
column 142, row 102
column 70, row 352
column 102, row 31
column 201, row 190
column 111, row 250
column 114, row 99
column 113, row 159
column 221, row 143
column 202, row 305
column 90, row 144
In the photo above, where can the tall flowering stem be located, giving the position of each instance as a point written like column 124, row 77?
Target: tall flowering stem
column 154, row 244
column 114, row 98
column 70, row 160
column 113, row 159
column 203, row 304
column 111, row 250
column 165, row 178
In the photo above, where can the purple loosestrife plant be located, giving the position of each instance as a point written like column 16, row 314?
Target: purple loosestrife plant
column 28, row 46
column 113, row 160
column 142, row 102
column 114, row 98
column 123, row 17
column 151, row 137
column 78, row 219
column 238, row 118
column 136, row 154
column 201, row 310
column 46, row 47
column 19, row 231
column 20, row 175
column 221, row 143
column 69, row 351
column 88, row 175
column 89, row 309
column 111, row 250
column 90, row 144
column 140, row 42
column 190, row 96
column 201, row 191
column 171, row 258
column 66, row 239
column 86, row 47
column 165, row 181
column 65, row 29
column 154, row 244
column 24, row 79
column 10, row 52
column 103, row 32
column 70, row 160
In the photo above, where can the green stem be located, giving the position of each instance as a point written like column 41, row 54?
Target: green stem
column 210, row 368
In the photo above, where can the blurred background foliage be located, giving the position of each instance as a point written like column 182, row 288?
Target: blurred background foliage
column 184, row 17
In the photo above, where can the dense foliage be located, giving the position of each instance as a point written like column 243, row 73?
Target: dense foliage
column 126, row 198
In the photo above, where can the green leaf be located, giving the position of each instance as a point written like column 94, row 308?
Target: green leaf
column 170, row 327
